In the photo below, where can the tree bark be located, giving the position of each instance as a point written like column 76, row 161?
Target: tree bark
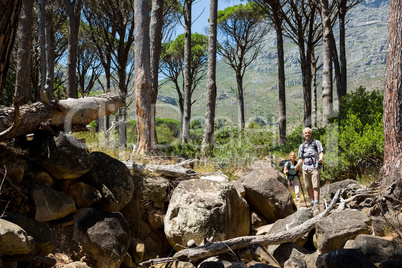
column 155, row 50
column 9, row 15
column 281, row 83
column 314, row 95
column 187, row 72
column 143, row 83
column 240, row 100
column 65, row 114
column 208, row 140
column 74, row 14
column 24, row 37
column 327, row 68
column 391, row 171
column 342, row 52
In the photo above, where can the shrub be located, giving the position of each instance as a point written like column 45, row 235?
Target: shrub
column 354, row 141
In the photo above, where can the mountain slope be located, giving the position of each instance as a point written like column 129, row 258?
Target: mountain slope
column 366, row 46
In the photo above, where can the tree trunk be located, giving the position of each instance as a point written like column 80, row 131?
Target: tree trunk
column 208, row 140
column 187, row 72
column 155, row 50
column 314, row 95
column 342, row 52
column 24, row 36
column 306, row 78
column 65, row 114
column 327, row 68
column 281, row 84
column 240, row 100
column 74, row 15
column 143, row 83
column 50, row 51
column 391, row 172
column 9, row 15
column 337, row 68
column 42, row 45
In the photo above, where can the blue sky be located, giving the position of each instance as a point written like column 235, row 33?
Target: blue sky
column 200, row 14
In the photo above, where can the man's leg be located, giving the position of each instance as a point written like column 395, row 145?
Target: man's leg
column 308, row 183
column 317, row 194
column 315, row 180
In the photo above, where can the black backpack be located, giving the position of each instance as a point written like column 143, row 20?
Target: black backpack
column 314, row 146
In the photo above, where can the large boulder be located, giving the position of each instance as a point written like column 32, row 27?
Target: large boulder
column 43, row 236
column 269, row 169
column 112, row 179
column 292, row 221
column 344, row 258
column 266, row 195
column 200, row 209
column 333, row 231
column 327, row 192
column 13, row 239
column 104, row 234
column 62, row 155
column 378, row 249
column 51, row 204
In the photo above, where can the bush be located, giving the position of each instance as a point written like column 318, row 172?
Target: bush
column 235, row 147
column 173, row 125
column 354, row 141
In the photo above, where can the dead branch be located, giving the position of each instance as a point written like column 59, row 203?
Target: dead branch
column 176, row 170
column 64, row 114
column 217, row 248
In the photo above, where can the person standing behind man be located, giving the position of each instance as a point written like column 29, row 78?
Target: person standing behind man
column 292, row 175
column 311, row 155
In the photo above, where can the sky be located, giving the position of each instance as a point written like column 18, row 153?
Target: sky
column 200, row 14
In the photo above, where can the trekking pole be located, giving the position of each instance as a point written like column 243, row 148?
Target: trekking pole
column 301, row 188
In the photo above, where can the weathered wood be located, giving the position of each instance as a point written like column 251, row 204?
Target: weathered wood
column 217, row 248
column 64, row 114
column 175, row 170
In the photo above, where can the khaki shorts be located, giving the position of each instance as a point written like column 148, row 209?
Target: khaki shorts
column 311, row 178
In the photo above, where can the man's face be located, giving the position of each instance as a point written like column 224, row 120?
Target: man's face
column 307, row 135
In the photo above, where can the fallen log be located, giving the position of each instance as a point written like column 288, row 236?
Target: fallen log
column 175, row 170
column 65, row 114
column 201, row 252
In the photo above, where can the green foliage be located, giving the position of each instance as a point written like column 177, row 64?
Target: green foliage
column 173, row 126
column 131, row 129
column 195, row 124
column 235, row 147
column 242, row 12
column 175, row 49
column 354, row 141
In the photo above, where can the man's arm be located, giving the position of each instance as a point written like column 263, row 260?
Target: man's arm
column 299, row 164
column 321, row 157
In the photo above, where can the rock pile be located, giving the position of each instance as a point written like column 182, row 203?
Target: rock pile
column 65, row 207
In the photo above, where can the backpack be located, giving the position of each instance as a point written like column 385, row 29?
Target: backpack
column 314, row 142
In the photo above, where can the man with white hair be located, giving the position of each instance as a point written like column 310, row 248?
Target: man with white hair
column 311, row 155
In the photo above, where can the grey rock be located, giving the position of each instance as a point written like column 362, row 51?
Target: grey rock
column 201, row 209
column 13, row 239
column 51, row 204
column 266, row 195
column 105, row 234
column 344, row 258
column 379, row 249
column 55, row 154
column 333, row 231
column 112, row 179
column 43, row 236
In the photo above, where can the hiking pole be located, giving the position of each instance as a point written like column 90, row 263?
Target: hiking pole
column 301, row 188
